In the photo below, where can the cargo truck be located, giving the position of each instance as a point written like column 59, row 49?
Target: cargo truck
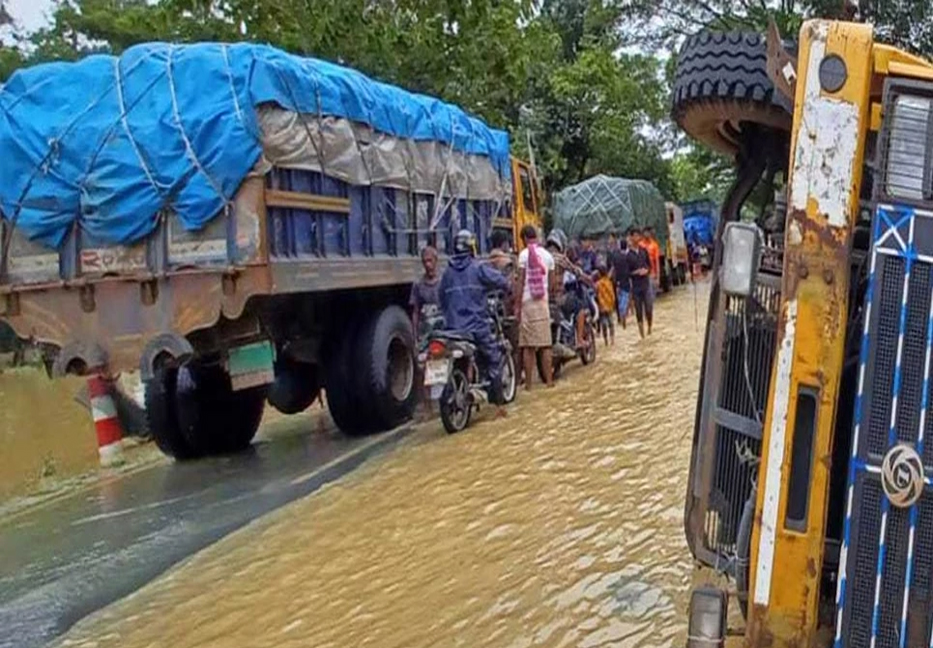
column 238, row 224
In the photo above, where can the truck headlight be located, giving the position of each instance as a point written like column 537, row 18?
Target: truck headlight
column 740, row 256
column 707, row 618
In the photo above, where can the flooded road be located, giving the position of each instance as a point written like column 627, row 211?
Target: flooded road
column 560, row 525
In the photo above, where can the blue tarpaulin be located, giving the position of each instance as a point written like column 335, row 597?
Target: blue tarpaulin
column 111, row 141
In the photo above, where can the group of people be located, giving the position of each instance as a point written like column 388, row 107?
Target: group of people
column 538, row 285
column 632, row 273
column 624, row 278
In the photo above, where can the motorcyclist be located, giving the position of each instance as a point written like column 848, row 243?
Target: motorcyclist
column 567, row 290
column 462, row 294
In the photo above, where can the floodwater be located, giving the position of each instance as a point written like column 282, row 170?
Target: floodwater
column 44, row 433
column 560, row 525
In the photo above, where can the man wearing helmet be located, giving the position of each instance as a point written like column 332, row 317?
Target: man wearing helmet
column 462, row 296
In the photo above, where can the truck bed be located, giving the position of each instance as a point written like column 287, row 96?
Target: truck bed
column 287, row 231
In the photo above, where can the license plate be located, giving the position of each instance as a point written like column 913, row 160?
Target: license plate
column 436, row 372
column 251, row 365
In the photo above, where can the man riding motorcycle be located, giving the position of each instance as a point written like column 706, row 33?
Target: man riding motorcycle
column 567, row 289
column 462, row 296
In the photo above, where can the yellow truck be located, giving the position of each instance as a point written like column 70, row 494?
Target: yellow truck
column 810, row 478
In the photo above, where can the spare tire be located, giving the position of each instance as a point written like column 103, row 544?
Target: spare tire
column 721, row 86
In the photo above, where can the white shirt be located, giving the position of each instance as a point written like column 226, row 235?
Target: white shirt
column 548, row 260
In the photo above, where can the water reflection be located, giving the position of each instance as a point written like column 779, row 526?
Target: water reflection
column 558, row 526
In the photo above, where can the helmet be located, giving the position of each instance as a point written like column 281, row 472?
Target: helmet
column 464, row 242
column 557, row 238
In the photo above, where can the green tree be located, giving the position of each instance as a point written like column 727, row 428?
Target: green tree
column 700, row 173
column 905, row 23
column 550, row 71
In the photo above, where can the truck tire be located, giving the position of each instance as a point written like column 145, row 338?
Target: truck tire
column 386, row 367
column 162, row 416
column 296, row 386
column 214, row 419
column 346, row 404
column 721, row 85
column 244, row 414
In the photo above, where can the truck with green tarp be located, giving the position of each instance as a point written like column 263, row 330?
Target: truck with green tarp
column 604, row 205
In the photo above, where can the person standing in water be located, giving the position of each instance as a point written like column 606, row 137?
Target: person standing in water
column 536, row 265
column 423, row 300
column 618, row 259
column 639, row 266
column 425, row 311
column 606, row 299
column 502, row 259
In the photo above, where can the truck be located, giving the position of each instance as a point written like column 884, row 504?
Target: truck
column 700, row 220
column 811, row 468
column 677, row 256
column 239, row 225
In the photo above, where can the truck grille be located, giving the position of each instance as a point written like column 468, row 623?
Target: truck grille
column 737, row 374
column 884, row 593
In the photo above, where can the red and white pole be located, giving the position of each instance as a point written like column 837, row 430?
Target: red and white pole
column 106, row 423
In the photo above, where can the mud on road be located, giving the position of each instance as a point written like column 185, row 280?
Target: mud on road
column 560, row 525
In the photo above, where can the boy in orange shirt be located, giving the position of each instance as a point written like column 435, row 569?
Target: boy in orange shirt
column 606, row 300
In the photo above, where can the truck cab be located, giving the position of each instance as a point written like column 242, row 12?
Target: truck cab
column 809, row 507
column 526, row 204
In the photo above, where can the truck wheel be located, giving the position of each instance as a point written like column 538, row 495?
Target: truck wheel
column 295, row 387
column 509, row 379
column 665, row 278
column 386, row 367
column 721, row 85
column 345, row 402
column 162, row 416
column 244, row 414
column 213, row 418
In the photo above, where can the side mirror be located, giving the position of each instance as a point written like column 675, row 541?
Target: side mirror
column 741, row 254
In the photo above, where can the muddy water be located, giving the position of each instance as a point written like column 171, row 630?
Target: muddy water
column 44, row 433
column 558, row 526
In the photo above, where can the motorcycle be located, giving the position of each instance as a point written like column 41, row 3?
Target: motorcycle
column 564, row 336
column 453, row 374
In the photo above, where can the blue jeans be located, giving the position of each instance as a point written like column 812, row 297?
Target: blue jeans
column 488, row 348
column 623, row 302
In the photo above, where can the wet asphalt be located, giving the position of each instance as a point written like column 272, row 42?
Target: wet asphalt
column 67, row 559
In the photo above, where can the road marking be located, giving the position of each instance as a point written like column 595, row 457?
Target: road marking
column 133, row 509
column 383, row 438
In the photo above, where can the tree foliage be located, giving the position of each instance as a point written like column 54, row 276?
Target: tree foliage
column 576, row 78
column 549, row 71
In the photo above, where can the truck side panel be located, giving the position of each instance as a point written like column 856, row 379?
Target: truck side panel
column 294, row 231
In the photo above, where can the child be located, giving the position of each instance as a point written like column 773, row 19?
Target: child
column 606, row 299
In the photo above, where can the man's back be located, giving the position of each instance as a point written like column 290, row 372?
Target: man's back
column 620, row 267
column 463, row 291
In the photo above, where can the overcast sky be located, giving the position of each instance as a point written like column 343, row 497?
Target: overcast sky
column 30, row 14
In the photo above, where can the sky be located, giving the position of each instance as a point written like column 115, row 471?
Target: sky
column 29, row 14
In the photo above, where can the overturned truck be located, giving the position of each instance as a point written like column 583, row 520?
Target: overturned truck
column 238, row 224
